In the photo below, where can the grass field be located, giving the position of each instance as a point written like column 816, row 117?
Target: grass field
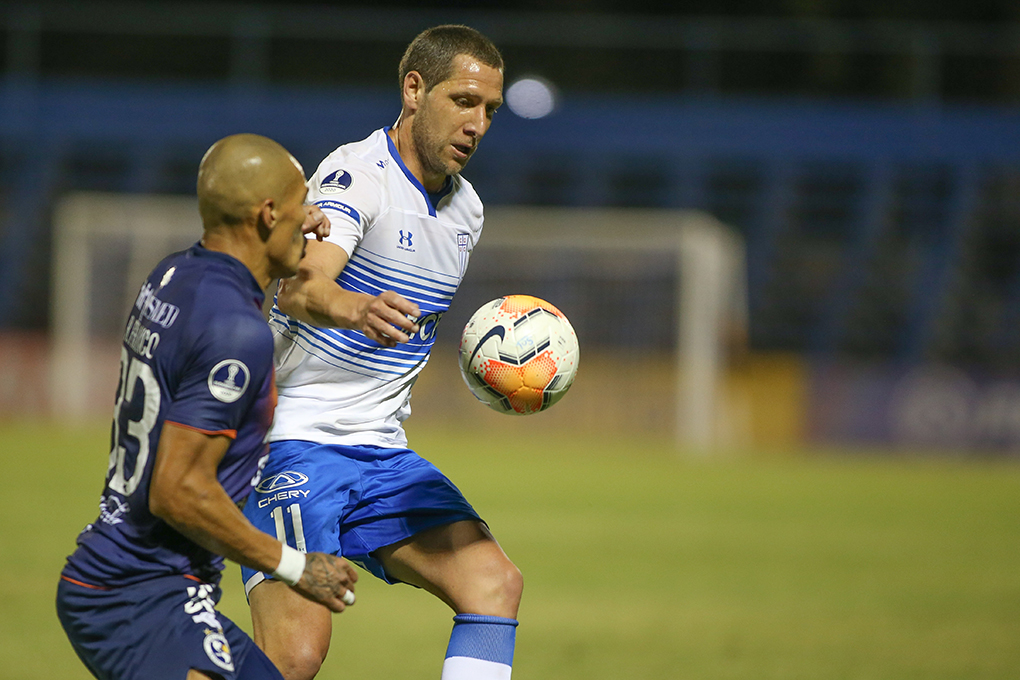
column 638, row 563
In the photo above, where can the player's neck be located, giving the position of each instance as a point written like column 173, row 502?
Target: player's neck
column 400, row 133
column 229, row 242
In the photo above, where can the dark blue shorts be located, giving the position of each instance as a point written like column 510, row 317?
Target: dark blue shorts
column 349, row 500
column 157, row 629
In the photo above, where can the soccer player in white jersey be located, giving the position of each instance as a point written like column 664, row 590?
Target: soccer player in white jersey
column 353, row 330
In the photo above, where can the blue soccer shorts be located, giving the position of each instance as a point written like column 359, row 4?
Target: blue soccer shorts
column 159, row 628
column 349, row 501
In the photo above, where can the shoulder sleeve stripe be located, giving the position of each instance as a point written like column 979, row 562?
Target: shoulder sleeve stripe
column 341, row 208
column 212, row 433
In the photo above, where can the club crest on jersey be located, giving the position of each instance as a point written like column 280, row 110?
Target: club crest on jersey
column 335, row 182
column 218, row 650
column 284, row 480
column 228, row 380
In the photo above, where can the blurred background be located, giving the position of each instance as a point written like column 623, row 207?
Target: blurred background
column 787, row 233
column 867, row 155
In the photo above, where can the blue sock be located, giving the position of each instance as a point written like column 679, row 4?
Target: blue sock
column 481, row 648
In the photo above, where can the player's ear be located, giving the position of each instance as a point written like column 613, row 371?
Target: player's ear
column 414, row 90
column 265, row 219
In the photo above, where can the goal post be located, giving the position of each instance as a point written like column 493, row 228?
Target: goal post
column 144, row 229
column 105, row 245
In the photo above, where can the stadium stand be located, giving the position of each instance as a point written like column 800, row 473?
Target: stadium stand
column 882, row 228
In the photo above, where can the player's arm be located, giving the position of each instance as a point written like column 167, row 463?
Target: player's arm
column 313, row 296
column 186, row 494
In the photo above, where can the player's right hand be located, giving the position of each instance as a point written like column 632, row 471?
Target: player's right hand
column 327, row 579
column 385, row 319
column 315, row 223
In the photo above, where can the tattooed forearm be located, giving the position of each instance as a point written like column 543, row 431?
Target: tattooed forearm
column 322, row 571
column 327, row 579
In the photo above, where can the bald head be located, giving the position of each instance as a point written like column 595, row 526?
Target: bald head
column 238, row 173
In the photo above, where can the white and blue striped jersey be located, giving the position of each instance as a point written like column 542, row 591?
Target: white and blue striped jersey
column 337, row 386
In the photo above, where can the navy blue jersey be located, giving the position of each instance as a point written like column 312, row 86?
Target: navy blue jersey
column 198, row 353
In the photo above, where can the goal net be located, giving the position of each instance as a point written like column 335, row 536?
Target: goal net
column 657, row 297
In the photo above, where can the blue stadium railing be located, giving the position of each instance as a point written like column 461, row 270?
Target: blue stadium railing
column 872, row 229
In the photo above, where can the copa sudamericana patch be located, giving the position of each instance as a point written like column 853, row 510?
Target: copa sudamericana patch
column 335, row 182
column 228, row 380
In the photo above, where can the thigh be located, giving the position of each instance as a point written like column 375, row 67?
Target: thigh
column 402, row 495
column 459, row 563
column 287, row 625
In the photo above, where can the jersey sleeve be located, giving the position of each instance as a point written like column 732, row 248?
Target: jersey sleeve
column 349, row 192
column 231, row 358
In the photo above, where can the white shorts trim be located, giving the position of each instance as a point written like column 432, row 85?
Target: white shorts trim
column 258, row 578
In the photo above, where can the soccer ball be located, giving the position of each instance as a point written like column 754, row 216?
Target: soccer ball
column 518, row 354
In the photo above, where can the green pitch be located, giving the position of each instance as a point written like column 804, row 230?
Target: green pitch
column 638, row 563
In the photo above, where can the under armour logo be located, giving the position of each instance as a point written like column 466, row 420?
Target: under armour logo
column 405, row 240
column 381, row 164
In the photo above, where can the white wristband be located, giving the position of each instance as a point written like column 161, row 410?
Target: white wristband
column 292, row 566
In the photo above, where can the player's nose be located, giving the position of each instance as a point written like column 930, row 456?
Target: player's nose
column 474, row 135
column 478, row 125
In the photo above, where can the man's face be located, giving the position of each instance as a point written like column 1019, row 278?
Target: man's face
column 287, row 242
column 455, row 115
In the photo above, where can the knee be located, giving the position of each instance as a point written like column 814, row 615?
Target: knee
column 297, row 659
column 503, row 586
column 513, row 584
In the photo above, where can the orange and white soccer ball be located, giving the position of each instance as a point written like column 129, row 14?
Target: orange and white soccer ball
column 518, row 354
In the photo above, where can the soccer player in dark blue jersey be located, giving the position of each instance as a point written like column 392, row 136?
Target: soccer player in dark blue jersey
column 195, row 400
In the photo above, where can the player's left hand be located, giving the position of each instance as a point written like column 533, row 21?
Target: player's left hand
column 316, row 222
